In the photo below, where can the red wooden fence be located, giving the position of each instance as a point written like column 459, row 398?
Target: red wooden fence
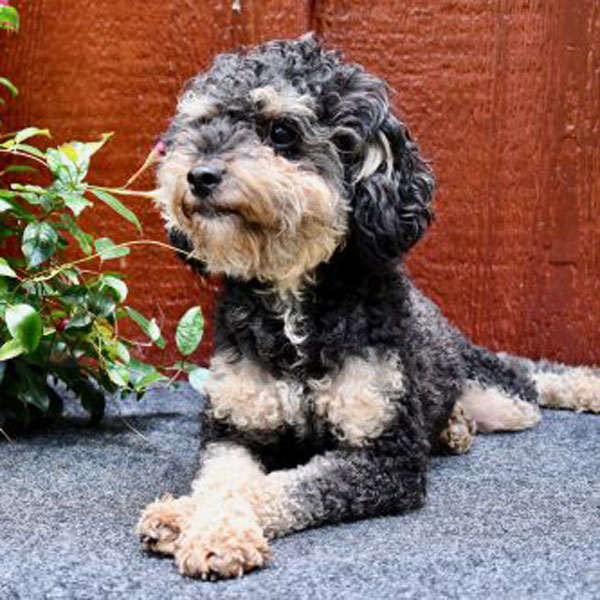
column 504, row 98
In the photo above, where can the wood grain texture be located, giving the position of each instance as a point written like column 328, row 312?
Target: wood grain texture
column 503, row 97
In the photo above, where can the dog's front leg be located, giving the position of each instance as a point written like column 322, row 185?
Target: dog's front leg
column 343, row 485
column 238, row 507
column 222, row 528
column 217, row 529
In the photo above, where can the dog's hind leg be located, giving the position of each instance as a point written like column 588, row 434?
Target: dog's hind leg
column 561, row 386
column 578, row 389
column 494, row 409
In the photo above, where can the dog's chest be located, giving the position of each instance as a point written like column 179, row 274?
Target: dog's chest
column 356, row 402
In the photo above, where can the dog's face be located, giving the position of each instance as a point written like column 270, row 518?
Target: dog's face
column 278, row 158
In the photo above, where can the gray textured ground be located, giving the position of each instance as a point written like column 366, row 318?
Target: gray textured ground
column 518, row 517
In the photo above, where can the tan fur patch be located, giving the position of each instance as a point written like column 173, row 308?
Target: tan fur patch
column 356, row 402
column 230, row 471
column 224, row 536
column 273, row 103
column 281, row 220
column 192, row 106
column 220, row 530
column 494, row 410
column 251, row 399
column 377, row 152
column 576, row 389
column 162, row 521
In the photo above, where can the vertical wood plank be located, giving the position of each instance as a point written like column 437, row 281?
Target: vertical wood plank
column 503, row 97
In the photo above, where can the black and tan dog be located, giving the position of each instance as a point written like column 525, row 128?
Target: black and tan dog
column 333, row 378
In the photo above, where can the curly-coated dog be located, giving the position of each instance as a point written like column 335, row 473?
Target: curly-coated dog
column 333, row 378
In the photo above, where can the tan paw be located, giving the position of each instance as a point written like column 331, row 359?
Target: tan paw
column 229, row 550
column 162, row 521
column 458, row 436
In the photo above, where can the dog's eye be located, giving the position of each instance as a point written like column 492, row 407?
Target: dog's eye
column 283, row 134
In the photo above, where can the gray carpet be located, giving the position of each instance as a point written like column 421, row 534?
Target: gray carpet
column 519, row 517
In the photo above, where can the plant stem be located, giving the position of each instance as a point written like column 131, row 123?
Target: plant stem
column 124, row 192
column 25, row 155
column 56, row 271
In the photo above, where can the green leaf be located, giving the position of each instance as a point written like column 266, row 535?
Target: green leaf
column 5, row 269
column 197, row 379
column 142, row 375
column 72, row 274
column 150, row 328
column 117, row 206
column 119, row 350
column 5, row 292
column 38, row 288
column 189, row 331
column 30, row 149
column 80, row 318
column 32, row 198
column 19, row 169
column 11, row 349
column 118, row 286
column 85, row 240
column 5, row 206
column 32, row 387
column 118, row 374
column 39, row 243
column 75, row 202
column 9, row 86
column 25, row 325
column 35, row 189
column 70, row 162
column 9, row 18
column 101, row 305
column 29, row 132
column 81, row 153
column 107, row 249
column 62, row 167
column 88, row 149
column 76, row 295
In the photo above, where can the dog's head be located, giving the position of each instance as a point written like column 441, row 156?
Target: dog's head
column 280, row 157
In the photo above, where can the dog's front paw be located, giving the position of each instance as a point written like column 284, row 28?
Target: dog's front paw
column 162, row 521
column 228, row 550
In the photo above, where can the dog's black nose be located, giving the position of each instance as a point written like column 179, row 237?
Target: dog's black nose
column 204, row 179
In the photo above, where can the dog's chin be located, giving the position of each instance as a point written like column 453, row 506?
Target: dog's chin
column 199, row 211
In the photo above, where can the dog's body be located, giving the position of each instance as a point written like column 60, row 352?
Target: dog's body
column 333, row 378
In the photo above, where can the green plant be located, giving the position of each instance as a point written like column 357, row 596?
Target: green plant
column 60, row 311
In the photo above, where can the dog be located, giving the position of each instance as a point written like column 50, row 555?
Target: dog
column 334, row 378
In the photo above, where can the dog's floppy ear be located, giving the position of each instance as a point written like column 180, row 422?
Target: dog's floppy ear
column 392, row 192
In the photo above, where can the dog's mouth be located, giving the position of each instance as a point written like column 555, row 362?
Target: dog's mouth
column 208, row 210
